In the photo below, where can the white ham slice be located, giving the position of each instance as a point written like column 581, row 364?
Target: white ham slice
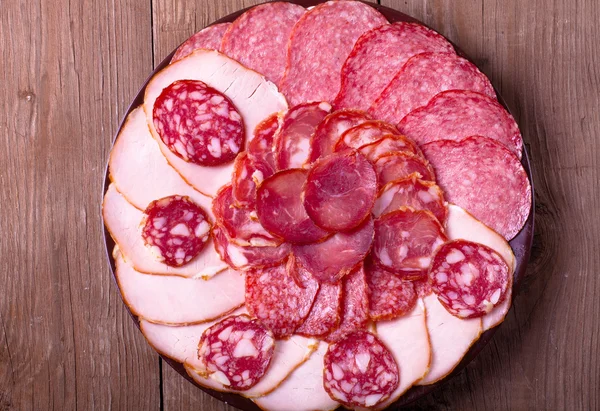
column 177, row 300
column 140, row 171
column 123, row 222
column 254, row 97
column 303, row 388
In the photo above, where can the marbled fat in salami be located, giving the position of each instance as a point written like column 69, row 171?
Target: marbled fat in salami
column 325, row 314
column 261, row 145
column 389, row 296
column 207, row 38
column 248, row 172
column 388, row 144
column 365, row 133
column 400, row 165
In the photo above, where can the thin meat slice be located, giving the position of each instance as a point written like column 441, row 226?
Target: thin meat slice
column 456, row 114
column 360, row 370
column 329, row 261
column 280, row 209
column 365, row 133
column 320, row 43
column 421, row 78
column 208, row 38
column 325, row 314
column 378, row 55
column 248, row 172
column 340, row 191
column 401, row 165
column 261, row 146
column 259, row 37
column 389, row 296
column 386, row 145
column 485, row 178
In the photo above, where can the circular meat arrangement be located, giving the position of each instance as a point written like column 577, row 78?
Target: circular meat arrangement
column 318, row 206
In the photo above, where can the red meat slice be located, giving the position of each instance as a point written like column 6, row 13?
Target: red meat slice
column 389, row 296
column 248, row 172
column 365, row 133
column 261, row 145
column 208, row 38
column 325, row 314
column 397, row 166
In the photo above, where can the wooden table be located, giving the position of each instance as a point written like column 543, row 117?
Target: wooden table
column 70, row 68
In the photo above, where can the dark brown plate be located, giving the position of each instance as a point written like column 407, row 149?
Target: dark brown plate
column 521, row 244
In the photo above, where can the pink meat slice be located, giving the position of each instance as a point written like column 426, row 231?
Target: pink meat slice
column 248, row 172
column 208, row 38
column 389, row 296
column 386, row 145
column 326, row 312
column 365, row 133
column 401, row 165
column 261, row 146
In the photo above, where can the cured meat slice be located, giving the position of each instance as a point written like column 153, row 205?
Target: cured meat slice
column 388, row 144
column 456, row 114
column 422, row 287
column 498, row 313
column 176, row 300
column 360, row 371
column 240, row 222
column 280, row 209
column 389, row 296
column 198, row 123
column 412, row 192
column 254, row 97
column 292, row 143
column 248, row 172
column 340, row 191
column 261, row 145
column 236, row 351
column 406, row 240
column 397, row 166
column 247, row 257
column 325, row 314
column 274, row 297
column 484, row 178
column 469, row 279
column 207, row 38
column 330, row 130
column 320, row 43
column 383, row 51
column 365, row 133
column 329, row 261
column 443, row 327
column 255, row 41
column 123, row 222
column 421, row 78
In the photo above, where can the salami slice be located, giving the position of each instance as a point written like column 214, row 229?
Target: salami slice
column 176, row 229
column 330, row 260
column 275, row 298
column 330, row 130
column 389, row 296
column 421, row 78
column 325, row 314
column 360, row 371
column 248, row 172
column 320, row 43
column 340, row 191
column 207, row 38
column 484, row 178
column 412, row 192
column 262, row 144
column 397, row 166
column 198, row 123
column 406, row 240
column 469, row 279
column 365, row 133
column 292, row 143
column 280, row 209
column 255, row 41
column 456, row 114
column 236, row 351
column 386, row 145
column 378, row 55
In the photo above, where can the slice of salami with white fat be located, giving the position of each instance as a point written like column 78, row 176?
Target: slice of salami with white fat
column 386, row 145
column 485, row 178
column 248, row 172
column 378, row 55
column 320, row 43
column 365, row 133
column 401, row 165
column 208, row 38
column 421, row 78
column 389, row 296
column 254, row 98
column 326, row 312
column 258, row 38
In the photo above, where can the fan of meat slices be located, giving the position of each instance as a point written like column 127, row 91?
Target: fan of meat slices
column 307, row 220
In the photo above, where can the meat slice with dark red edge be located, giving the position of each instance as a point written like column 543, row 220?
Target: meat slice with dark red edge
column 332, row 259
column 331, row 129
column 176, row 229
column 236, row 352
column 378, row 55
column 248, row 172
column 389, row 296
column 405, row 241
column 386, row 145
column 292, row 142
column 340, row 191
column 412, row 192
column 241, row 223
column 401, row 165
column 198, row 123
column 365, row 133
column 360, row 371
column 261, row 146
column 469, row 279
column 485, row 178
column 258, row 38
column 277, row 300
column 421, row 78
column 320, row 43
column 280, row 209
column 326, row 312
column 208, row 38
column 456, row 114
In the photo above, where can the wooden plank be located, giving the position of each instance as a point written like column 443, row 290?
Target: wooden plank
column 66, row 342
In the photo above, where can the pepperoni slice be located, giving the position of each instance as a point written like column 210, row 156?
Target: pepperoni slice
column 236, row 352
column 198, row 123
column 401, row 165
column 261, row 145
column 325, row 314
column 248, row 172
column 469, row 279
column 388, row 144
column 405, row 241
column 389, row 296
column 280, row 209
column 208, row 38
column 360, row 371
column 176, row 229
column 365, row 133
